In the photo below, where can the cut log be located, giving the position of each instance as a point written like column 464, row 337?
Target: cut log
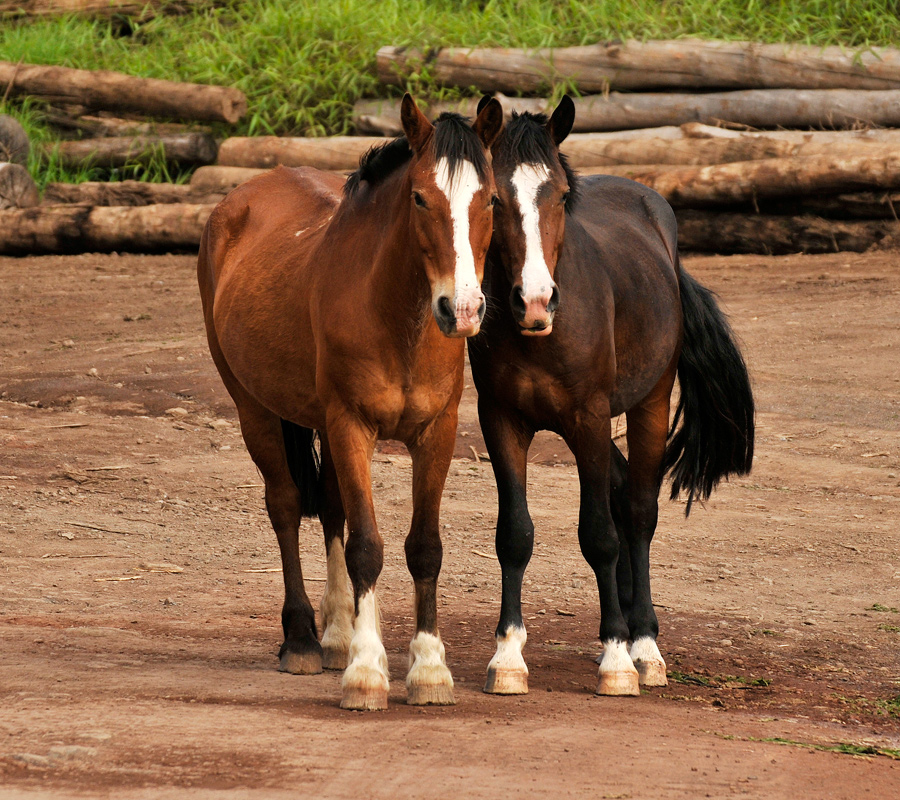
column 143, row 10
column 265, row 152
column 585, row 151
column 221, row 179
column 14, row 144
column 185, row 148
column 760, row 108
column 383, row 116
column 681, row 63
column 100, row 126
column 708, row 232
column 860, row 205
column 17, row 189
column 697, row 130
column 115, row 91
column 83, row 229
column 746, row 181
column 125, row 193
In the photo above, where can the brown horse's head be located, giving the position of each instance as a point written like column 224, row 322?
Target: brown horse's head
column 536, row 187
column 451, row 207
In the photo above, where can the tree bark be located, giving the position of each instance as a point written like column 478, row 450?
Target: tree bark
column 747, row 181
column 585, row 152
column 265, row 152
column 125, row 193
column 82, row 229
column 17, row 189
column 141, row 9
column 14, row 144
column 222, row 179
column 104, row 126
column 682, row 63
column 759, row 108
column 115, row 91
column 185, row 148
column 708, row 232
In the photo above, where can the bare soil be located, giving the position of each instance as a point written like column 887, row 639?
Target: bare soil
column 121, row 463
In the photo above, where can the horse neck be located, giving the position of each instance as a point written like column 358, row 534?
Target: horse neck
column 398, row 286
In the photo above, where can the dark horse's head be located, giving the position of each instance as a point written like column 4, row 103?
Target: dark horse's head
column 451, row 195
column 535, row 187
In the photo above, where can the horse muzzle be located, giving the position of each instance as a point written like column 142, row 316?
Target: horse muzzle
column 534, row 312
column 461, row 318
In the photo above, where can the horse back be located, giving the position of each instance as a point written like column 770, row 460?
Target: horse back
column 272, row 217
column 627, row 243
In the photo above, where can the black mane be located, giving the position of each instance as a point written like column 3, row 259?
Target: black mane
column 525, row 140
column 453, row 139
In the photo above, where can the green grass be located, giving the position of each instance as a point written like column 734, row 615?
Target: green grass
column 303, row 64
column 847, row 748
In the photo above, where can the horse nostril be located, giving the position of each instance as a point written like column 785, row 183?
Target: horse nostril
column 517, row 301
column 481, row 310
column 445, row 307
column 554, row 301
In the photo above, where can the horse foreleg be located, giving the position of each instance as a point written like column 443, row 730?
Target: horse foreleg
column 428, row 681
column 647, row 429
column 337, row 600
column 599, row 540
column 365, row 682
column 507, row 443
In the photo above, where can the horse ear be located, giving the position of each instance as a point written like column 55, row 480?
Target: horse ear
column 562, row 120
column 415, row 124
column 489, row 121
column 485, row 99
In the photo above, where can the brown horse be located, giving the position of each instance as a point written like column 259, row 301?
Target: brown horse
column 343, row 312
column 590, row 315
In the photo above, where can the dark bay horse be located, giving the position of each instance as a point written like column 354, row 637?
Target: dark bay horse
column 590, row 315
column 342, row 310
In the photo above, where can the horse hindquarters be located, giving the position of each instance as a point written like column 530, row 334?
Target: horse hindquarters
column 715, row 411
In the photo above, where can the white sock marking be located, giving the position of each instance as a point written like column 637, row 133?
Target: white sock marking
column 509, row 651
column 616, row 658
column 337, row 602
column 645, row 649
column 366, row 650
column 527, row 181
column 427, row 661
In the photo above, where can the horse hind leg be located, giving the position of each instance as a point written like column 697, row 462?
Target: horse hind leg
column 301, row 653
column 647, row 430
column 337, row 600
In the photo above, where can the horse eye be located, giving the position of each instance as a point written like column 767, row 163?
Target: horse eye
column 419, row 200
column 565, row 197
column 495, row 200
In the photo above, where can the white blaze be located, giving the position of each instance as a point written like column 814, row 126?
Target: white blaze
column 459, row 190
column 527, row 181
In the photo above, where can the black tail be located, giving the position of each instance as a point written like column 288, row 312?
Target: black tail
column 712, row 433
column 303, row 461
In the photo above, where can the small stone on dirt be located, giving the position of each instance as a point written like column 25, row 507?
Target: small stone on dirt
column 176, row 412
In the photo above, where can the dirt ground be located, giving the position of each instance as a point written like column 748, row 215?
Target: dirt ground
column 140, row 592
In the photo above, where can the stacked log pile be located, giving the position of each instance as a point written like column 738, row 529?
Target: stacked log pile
column 703, row 124
column 759, row 148
column 90, row 106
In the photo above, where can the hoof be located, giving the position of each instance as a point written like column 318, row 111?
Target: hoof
column 300, row 663
column 651, row 673
column 434, row 695
column 364, row 689
column 619, row 684
column 361, row 699
column 506, row 681
column 333, row 658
